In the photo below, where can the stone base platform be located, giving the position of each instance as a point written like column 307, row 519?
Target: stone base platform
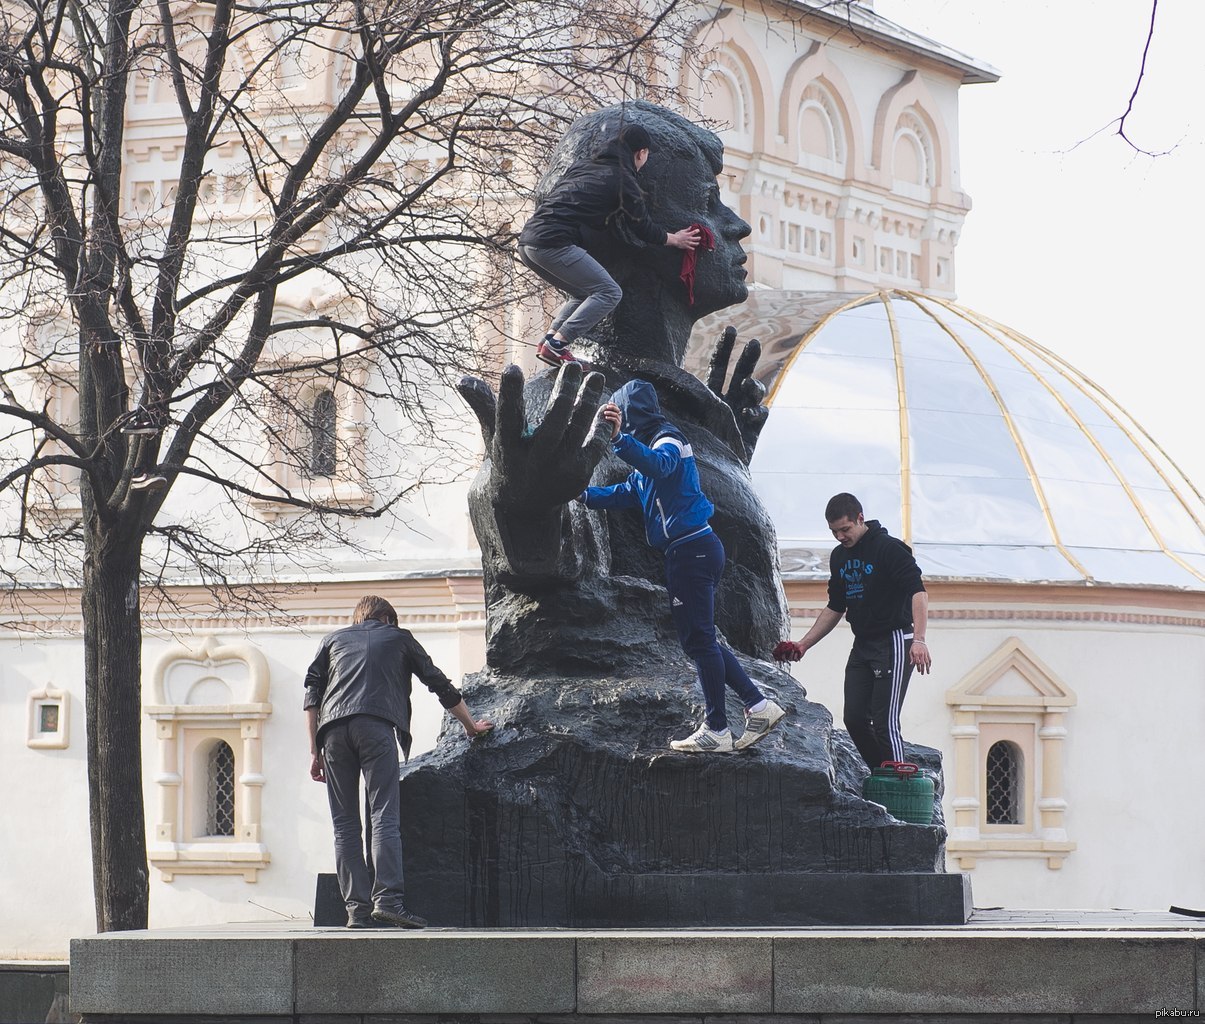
column 1056, row 968
column 709, row 900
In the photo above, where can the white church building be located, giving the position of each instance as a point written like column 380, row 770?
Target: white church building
column 1063, row 552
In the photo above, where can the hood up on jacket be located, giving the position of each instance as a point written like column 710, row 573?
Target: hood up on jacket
column 642, row 416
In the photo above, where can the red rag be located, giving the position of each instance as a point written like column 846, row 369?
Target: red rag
column 691, row 256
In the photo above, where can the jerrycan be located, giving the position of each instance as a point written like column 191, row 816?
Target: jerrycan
column 903, row 790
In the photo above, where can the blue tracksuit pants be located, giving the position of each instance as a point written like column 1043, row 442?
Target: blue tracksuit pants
column 692, row 573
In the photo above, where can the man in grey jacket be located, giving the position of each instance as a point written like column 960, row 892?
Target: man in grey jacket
column 357, row 703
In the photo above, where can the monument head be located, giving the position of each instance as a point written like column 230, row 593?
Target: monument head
column 656, row 314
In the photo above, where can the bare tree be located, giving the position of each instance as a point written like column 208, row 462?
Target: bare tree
column 230, row 235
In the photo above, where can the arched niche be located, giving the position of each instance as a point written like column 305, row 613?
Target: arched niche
column 732, row 69
column 815, row 81
column 908, row 110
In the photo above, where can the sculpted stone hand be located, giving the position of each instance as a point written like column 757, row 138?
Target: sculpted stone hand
column 745, row 392
column 530, row 472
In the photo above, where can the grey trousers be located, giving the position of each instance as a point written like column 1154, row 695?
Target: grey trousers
column 593, row 292
column 365, row 745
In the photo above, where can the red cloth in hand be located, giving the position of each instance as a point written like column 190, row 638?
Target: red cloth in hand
column 690, row 258
column 788, row 650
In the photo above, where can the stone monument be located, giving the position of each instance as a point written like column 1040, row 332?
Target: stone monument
column 574, row 812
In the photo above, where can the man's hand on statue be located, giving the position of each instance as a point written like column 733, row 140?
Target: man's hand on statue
column 614, row 416
column 478, row 728
column 317, row 768
column 687, row 238
column 788, row 650
column 550, row 464
column 745, row 392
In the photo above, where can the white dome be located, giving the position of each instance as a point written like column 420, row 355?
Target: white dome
column 985, row 451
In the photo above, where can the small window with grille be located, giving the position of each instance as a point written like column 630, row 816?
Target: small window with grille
column 219, row 805
column 323, row 427
column 1004, row 784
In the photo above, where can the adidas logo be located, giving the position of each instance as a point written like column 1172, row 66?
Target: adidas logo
column 676, row 603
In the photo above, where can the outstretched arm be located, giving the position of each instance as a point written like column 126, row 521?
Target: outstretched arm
column 793, row 650
column 472, row 727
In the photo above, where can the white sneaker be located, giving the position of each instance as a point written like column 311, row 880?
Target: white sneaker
column 704, row 741
column 758, row 724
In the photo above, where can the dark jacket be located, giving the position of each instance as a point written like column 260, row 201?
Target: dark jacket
column 599, row 193
column 665, row 484
column 366, row 669
column 873, row 583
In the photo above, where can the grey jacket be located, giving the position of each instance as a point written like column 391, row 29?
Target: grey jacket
column 366, row 669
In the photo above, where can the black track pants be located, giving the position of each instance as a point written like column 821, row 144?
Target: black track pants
column 876, row 679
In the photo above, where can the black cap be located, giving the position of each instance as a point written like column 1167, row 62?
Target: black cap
column 635, row 138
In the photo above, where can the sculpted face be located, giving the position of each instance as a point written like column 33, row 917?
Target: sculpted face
column 680, row 183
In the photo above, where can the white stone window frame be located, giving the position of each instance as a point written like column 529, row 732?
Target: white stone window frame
column 57, row 384
column 984, row 713
column 349, row 484
column 36, row 737
column 186, row 731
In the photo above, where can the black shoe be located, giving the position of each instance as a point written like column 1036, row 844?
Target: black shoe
column 356, row 921
column 399, row 917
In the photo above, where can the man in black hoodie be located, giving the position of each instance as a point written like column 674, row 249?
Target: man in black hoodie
column 598, row 194
column 876, row 584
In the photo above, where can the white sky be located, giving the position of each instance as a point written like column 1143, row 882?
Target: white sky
column 1094, row 251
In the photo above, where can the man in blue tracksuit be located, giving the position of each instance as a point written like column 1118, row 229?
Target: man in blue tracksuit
column 665, row 485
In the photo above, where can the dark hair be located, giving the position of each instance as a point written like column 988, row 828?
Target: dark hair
column 373, row 607
column 842, row 506
column 667, row 131
column 635, row 138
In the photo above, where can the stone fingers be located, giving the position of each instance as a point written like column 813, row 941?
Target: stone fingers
column 549, row 434
column 480, row 398
column 512, row 415
column 585, row 411
column 750, row 354
column 720, row 355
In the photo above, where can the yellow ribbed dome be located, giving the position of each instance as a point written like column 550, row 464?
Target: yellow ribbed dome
column 986, row 452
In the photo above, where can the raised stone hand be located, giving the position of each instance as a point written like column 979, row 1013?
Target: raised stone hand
column 530, row 472
column 745, row 392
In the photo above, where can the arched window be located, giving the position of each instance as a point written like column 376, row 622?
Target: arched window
column 913, row 159
column 209, row 707
column 323, row 424
column 726, row 97
column 909, row 160
column 219, row 803
column 1004, row 763
column 821, row 130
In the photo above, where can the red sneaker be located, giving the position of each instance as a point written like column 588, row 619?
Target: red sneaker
column 553, row 356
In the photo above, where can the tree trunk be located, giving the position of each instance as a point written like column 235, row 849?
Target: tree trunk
column 113, row 695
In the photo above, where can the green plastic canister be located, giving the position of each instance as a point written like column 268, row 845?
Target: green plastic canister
column 903, row 790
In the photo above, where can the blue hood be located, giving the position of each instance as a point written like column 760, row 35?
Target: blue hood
column 642, row 416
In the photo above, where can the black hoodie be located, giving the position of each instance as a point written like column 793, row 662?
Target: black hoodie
column 600, row 193
column 873, row 582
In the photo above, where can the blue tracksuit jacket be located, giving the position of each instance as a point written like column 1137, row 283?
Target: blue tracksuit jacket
column 665, row 481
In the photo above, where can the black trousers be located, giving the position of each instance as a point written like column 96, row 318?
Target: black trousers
column 876, row 679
